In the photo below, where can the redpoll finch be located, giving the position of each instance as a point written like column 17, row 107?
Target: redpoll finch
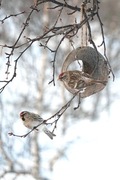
column 78, row 80
column 30, row 120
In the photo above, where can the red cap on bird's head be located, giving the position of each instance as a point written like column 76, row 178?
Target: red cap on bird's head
column 61, row 76
column 23, row 113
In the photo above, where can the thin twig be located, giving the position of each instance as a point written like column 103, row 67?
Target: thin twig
column 57, row 115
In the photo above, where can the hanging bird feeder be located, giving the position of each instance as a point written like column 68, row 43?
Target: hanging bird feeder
column 93, row 76
column 94, row 64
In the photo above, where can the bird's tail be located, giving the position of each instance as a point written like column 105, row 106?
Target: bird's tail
column 49, row 133
column 100, row 82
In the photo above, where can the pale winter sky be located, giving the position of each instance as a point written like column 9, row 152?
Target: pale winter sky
column 96, row 156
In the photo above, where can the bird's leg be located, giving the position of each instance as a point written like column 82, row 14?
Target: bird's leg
column 79, row 102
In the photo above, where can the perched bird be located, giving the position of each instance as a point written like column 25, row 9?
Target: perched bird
column 30, row 120
column 77, row 80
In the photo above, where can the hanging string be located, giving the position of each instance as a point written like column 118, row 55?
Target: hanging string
column 86, row 30
column 81, row 34
column 84, row 33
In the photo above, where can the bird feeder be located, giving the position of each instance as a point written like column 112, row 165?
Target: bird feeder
column 94, row 64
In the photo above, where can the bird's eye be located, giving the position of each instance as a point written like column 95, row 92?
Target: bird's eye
column 22, row 115
column 23, row 118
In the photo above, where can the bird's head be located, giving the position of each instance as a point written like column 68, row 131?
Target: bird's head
column 62, row 76
column 22, row 114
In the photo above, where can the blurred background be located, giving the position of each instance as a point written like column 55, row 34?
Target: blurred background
column 86, row 145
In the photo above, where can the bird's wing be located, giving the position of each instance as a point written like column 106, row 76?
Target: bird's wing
column 36, row 116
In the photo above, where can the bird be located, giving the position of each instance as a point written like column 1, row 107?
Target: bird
column 31, row 120
column 77, row 80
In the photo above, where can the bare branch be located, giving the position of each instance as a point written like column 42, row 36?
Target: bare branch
column 67, row 31
column 11, row 15
column 60, row 4
column 57, row 116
